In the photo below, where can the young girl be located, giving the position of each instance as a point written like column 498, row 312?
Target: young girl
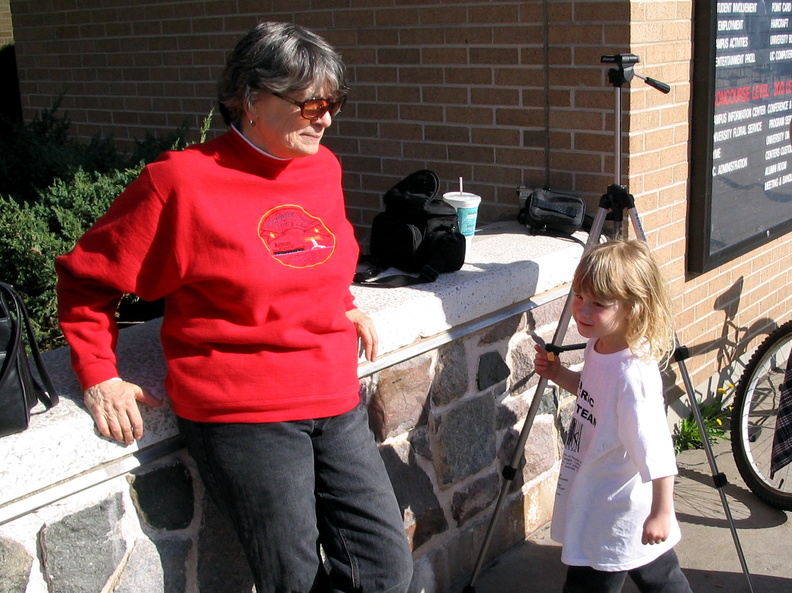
column 614, row 511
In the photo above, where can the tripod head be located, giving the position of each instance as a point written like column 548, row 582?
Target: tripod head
column 624, row 72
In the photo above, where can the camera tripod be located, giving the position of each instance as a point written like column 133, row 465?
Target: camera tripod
column 615, row 201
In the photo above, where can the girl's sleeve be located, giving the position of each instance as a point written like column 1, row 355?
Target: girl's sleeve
column 643, row 427
column 129, row 250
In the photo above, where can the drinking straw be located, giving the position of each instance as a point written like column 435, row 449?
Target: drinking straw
column 460, row 186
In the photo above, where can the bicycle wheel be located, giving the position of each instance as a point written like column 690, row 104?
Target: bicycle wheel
column 756, row 402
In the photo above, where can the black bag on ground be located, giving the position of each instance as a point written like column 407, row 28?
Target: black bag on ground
column 19, row 389
column 550, row 212
column 417, row 232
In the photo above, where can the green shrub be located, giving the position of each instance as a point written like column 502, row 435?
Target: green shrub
column 33, row 232
column 32, row 235
column 715, row 416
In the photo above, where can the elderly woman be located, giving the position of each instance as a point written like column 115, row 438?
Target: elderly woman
column 247, row 240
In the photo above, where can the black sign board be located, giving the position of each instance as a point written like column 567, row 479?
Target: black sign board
column 741, row 192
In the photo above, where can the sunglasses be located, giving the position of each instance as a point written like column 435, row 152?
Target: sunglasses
column 316, row 107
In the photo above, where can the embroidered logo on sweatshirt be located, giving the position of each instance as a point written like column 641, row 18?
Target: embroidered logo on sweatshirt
column 296, row 238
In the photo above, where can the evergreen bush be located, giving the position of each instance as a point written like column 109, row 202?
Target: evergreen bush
column 33, row 234
column 37, row 223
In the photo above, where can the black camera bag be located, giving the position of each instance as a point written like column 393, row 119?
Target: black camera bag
column 549, row 212
column 417, row 232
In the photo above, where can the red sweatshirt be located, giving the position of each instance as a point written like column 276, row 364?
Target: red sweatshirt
column 254, row 257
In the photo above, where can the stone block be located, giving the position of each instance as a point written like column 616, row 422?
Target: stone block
column 430, row 573
column 540, row 453
column 368, row 387
column 501, row 331
column 573, row 357
column 164, row 496
column 156, row 567
column 566, row 409
column 15, row 565
column 174, row 555
column 80, row 552
column 462, row 551
column 419, row 439
column 540, row 447
column 538, row 503
column 143, row 571
column 222, row 567
column 451, row 376
column 546, row 315
column 424, row 517
column 491, row 370
column 521, row 361
column 549, row 402
column 463, row 439
column 512, row 409
column 509, row 529
column 400, row 402
column 474, row 498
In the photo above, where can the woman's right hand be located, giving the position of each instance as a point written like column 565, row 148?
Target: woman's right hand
column 546, row 365
column 114, row 407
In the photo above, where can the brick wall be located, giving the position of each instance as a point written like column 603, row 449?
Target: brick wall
column 6, row 30
column 499, row 92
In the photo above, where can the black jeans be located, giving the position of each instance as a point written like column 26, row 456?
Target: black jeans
column 290, row 486
column 662, row 575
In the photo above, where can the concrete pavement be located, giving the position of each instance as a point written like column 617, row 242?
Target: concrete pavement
column 707, row 551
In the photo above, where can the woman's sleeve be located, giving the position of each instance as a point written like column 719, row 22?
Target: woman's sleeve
column 114, row 257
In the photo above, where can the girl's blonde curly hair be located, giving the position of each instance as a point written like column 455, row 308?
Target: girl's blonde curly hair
column 626, row 270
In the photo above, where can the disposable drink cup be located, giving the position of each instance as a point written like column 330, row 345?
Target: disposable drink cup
column 467, row 206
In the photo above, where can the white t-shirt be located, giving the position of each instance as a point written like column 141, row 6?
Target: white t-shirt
column 618, row 441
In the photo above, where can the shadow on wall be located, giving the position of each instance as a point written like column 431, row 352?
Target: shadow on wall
column 10, row 99
column 730, row 346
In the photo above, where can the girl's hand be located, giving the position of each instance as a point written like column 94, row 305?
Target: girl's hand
column 366, row 332
column 114, row 407
column 546, row 365
column 658, row 523
column 656, row 529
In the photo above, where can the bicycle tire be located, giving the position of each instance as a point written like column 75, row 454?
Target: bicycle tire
column 753, row 419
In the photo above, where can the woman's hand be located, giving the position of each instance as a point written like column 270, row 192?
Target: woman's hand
column 366, row 332
column 114, row 407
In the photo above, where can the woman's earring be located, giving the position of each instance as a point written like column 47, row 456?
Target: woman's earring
column 252, row 122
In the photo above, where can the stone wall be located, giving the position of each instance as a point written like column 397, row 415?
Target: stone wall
column 448, row 421
column 447, row 400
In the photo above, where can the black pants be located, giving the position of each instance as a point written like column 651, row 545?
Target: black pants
column 289, row 486
column 662, row 575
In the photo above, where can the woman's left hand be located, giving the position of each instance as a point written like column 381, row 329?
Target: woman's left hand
column 366, row 332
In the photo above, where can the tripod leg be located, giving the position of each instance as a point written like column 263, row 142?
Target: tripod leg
column 510, row 471
column 718, row 478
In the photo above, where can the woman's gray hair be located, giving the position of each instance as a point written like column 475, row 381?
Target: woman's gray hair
column 276, row 57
